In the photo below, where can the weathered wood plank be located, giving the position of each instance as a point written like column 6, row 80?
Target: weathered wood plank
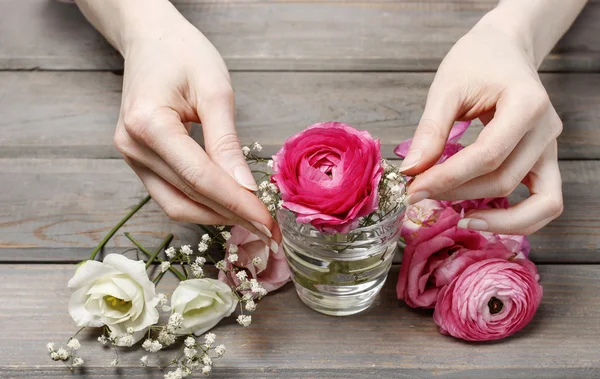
column 73, row 114
column 370, row 35
column 288, row 340
column 57, row 210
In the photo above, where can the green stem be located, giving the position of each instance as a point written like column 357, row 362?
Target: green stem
column 164, row 244
column 149, row 254
column 75, row 335
column 116, row 227
column 261, row 172
column 209, row 232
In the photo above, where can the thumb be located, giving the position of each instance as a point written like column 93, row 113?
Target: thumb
column 221, row 141
column 432, row 133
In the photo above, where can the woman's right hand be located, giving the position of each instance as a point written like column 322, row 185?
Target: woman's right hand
column 174, row 76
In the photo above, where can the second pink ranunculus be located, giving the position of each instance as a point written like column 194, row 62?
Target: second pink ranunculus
column 272, row 271
column 491, row 299
column 329, row 175
column 437, row 254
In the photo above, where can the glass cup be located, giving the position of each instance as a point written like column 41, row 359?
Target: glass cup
column 340, row 274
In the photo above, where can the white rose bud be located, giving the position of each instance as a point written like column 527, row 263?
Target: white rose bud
column 202, row 303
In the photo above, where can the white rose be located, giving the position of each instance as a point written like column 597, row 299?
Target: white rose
column 116, row 293
column 202, row 303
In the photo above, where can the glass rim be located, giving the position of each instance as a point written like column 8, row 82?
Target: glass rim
column 389, row 218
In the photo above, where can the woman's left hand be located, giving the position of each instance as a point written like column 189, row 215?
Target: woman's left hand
column 490, row 74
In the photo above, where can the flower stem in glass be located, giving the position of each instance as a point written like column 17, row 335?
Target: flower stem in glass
column 117, row 227
column 149, row 254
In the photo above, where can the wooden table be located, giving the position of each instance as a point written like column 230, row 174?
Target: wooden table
column 367, row 63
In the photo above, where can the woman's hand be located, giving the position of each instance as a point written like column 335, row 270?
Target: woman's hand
column 174, row 76
column 491, row 74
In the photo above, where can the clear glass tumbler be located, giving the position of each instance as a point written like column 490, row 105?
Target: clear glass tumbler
column 340, row 274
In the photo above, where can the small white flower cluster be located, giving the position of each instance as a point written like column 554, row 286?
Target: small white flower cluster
column 127, row 340
column 62, row 354
column 184, row 254
column 162, row 302
column 247, row 150
column 196, row 357
column 152, row 346
column 244, row 320
column 253, row 290
column 197, row 267
column 268, row 193
column 175, row 322
column 391, row 188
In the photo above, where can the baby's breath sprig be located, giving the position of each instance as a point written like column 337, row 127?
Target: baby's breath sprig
column 67, row 356
column 247, row 291
column 391, row 189
column 254, row 160
column 195, row 356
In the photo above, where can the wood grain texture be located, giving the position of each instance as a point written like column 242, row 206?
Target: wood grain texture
column 372, row 35
column 288, row 340
column 73, row 114
column 57, row 210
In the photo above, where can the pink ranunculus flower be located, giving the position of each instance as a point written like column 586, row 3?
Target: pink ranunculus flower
column 452, row 146
column 423, row 214
column 272, row 271
column 491, row 299
column 439, row 253
column 329, row 175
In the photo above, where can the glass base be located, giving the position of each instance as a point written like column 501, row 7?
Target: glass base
column 341, row 300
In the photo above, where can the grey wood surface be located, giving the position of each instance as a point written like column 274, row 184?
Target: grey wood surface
column 404, row 35
column 289, row 340
column 63, row 184
column 73, row 114
column 57, row 210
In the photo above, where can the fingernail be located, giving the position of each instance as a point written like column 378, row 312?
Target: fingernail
column 274, row 246
column 411, row 161
column 265, row 239
column 473, row 224
column 262, row 228
column 244, row 177
column 414, row 198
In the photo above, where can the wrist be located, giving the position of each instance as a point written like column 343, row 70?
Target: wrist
column 513, row 23
column 145, row 20
column 125, row 23
column 535, row 24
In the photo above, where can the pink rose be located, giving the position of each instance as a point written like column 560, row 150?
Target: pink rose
column 329, row 175
column 485, row 203
column 452, row 145
column 423, row 214
column 514, row 243
column 272, row 271
column 491, row 299
column 437, row 254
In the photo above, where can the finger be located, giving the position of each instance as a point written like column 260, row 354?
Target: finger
column 221, row 140
column 531, row 214
column 179, row 160
column 514, row 117
column 173, row 202
column 486, row 117
column 428, row 143
column 503, row 181
column 140, row 153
